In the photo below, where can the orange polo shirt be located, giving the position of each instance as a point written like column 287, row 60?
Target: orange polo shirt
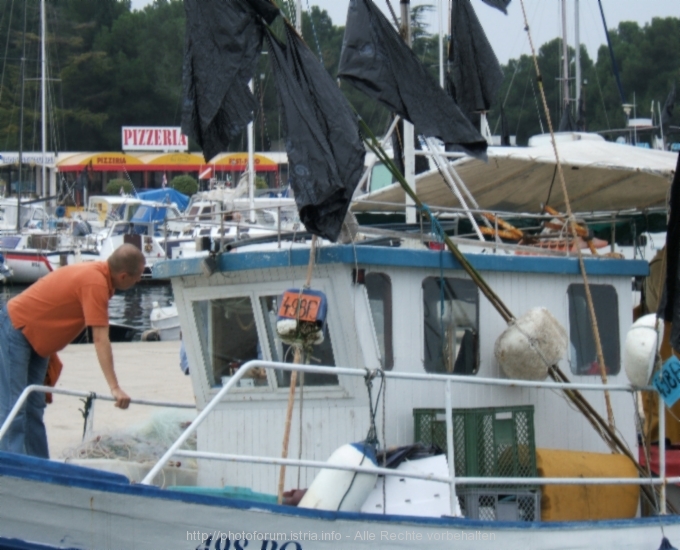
column 53, row 311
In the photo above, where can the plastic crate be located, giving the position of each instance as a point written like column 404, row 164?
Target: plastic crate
column 504, row 505
column 489, row 442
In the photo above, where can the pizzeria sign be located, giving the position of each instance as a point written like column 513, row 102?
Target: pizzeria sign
column 154, row 138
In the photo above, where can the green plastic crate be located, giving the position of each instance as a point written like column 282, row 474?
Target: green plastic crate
column 488, row 442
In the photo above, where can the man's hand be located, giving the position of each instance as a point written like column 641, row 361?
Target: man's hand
column 102, row 345
column 122, row 398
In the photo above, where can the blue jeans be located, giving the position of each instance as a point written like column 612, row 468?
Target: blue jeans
column 21, row 366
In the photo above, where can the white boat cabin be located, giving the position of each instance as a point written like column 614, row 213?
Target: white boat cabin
column 399, row 309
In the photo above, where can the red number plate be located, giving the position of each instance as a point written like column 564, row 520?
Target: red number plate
column 299, row 306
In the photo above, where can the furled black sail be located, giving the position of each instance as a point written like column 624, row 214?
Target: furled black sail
column 325, row 151
column 499, row 4
column 581, row 119
column 376, row 61
column 667, row 112
column 222, row 45
column 505, row 131
column 567, row 123
column 671, row 305
column 474, row 75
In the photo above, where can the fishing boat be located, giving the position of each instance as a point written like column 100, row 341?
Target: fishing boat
column 411, row 321
column 313, row 358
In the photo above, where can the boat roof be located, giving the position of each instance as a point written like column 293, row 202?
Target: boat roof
column 600, row 176
column 243, row 259
column 166, row 195
column 113, row 199
column 150, row 212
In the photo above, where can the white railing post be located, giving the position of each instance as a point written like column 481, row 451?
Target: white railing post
column 455, row 506
column 662, row 455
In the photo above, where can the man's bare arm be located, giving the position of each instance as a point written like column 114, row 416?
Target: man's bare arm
column 102, row 345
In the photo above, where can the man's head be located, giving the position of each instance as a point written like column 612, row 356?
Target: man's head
column 126, row 265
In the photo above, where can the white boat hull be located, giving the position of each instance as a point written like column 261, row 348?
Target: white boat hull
column 165, row 320
column 29, row 266
column 51, row 506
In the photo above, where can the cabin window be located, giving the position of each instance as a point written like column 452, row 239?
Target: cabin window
column 380, row 177
column 322, row 354
column 582, row 350
column 379, row 288
column 228, row 334
column 450, row 316
column 206, row 213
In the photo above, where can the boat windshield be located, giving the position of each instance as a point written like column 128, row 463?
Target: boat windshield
column 451, row 318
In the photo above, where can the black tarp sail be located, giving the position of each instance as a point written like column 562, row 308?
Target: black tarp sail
column 499, row 4
column 474, row 75
column 325, row 151
column 670, row 306
column 376, row 61
column 222, row 45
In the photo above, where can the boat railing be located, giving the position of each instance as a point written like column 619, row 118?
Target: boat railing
column 78, row 393
column 447, row 380
column 217, row 220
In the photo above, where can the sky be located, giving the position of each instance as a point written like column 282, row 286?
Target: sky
column 506, row 33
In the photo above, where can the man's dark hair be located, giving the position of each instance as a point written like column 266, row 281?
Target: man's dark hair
column 127, row 258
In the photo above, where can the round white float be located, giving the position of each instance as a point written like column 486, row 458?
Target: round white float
column 530, row 345
column 643, row 341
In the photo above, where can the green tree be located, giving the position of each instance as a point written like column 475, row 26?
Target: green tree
column 114, row 186
column 184, row 184
column 119, row 67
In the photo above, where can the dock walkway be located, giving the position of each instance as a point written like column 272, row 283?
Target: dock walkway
column 145, row 370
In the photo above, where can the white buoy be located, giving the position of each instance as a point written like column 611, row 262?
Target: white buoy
column 342, row 489
column 643, row 341
column 530, row 345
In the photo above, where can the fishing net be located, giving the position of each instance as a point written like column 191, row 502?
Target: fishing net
column 145, row 442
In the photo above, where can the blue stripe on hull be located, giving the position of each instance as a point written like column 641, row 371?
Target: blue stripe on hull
column 16, row 544
column 55, row 473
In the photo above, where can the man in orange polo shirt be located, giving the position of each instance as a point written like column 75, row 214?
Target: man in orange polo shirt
column 44, row 319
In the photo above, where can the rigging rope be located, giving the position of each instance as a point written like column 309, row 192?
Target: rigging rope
column 572, row 226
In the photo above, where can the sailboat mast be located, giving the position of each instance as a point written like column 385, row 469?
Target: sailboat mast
column 21, row 118
column 43, row 98
column 577, row 44
column 565, row 58
column 409, row 148
column 441, row 43
column 251, row 168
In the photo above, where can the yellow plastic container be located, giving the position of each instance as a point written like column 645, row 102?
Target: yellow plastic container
column 586, row 502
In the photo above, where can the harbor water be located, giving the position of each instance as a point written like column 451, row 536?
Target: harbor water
column 131, row 308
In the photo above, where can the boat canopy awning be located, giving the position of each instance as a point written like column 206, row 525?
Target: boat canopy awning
column 600, row 176
column 173, row 162
column 238, row 162
column 101, row 162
